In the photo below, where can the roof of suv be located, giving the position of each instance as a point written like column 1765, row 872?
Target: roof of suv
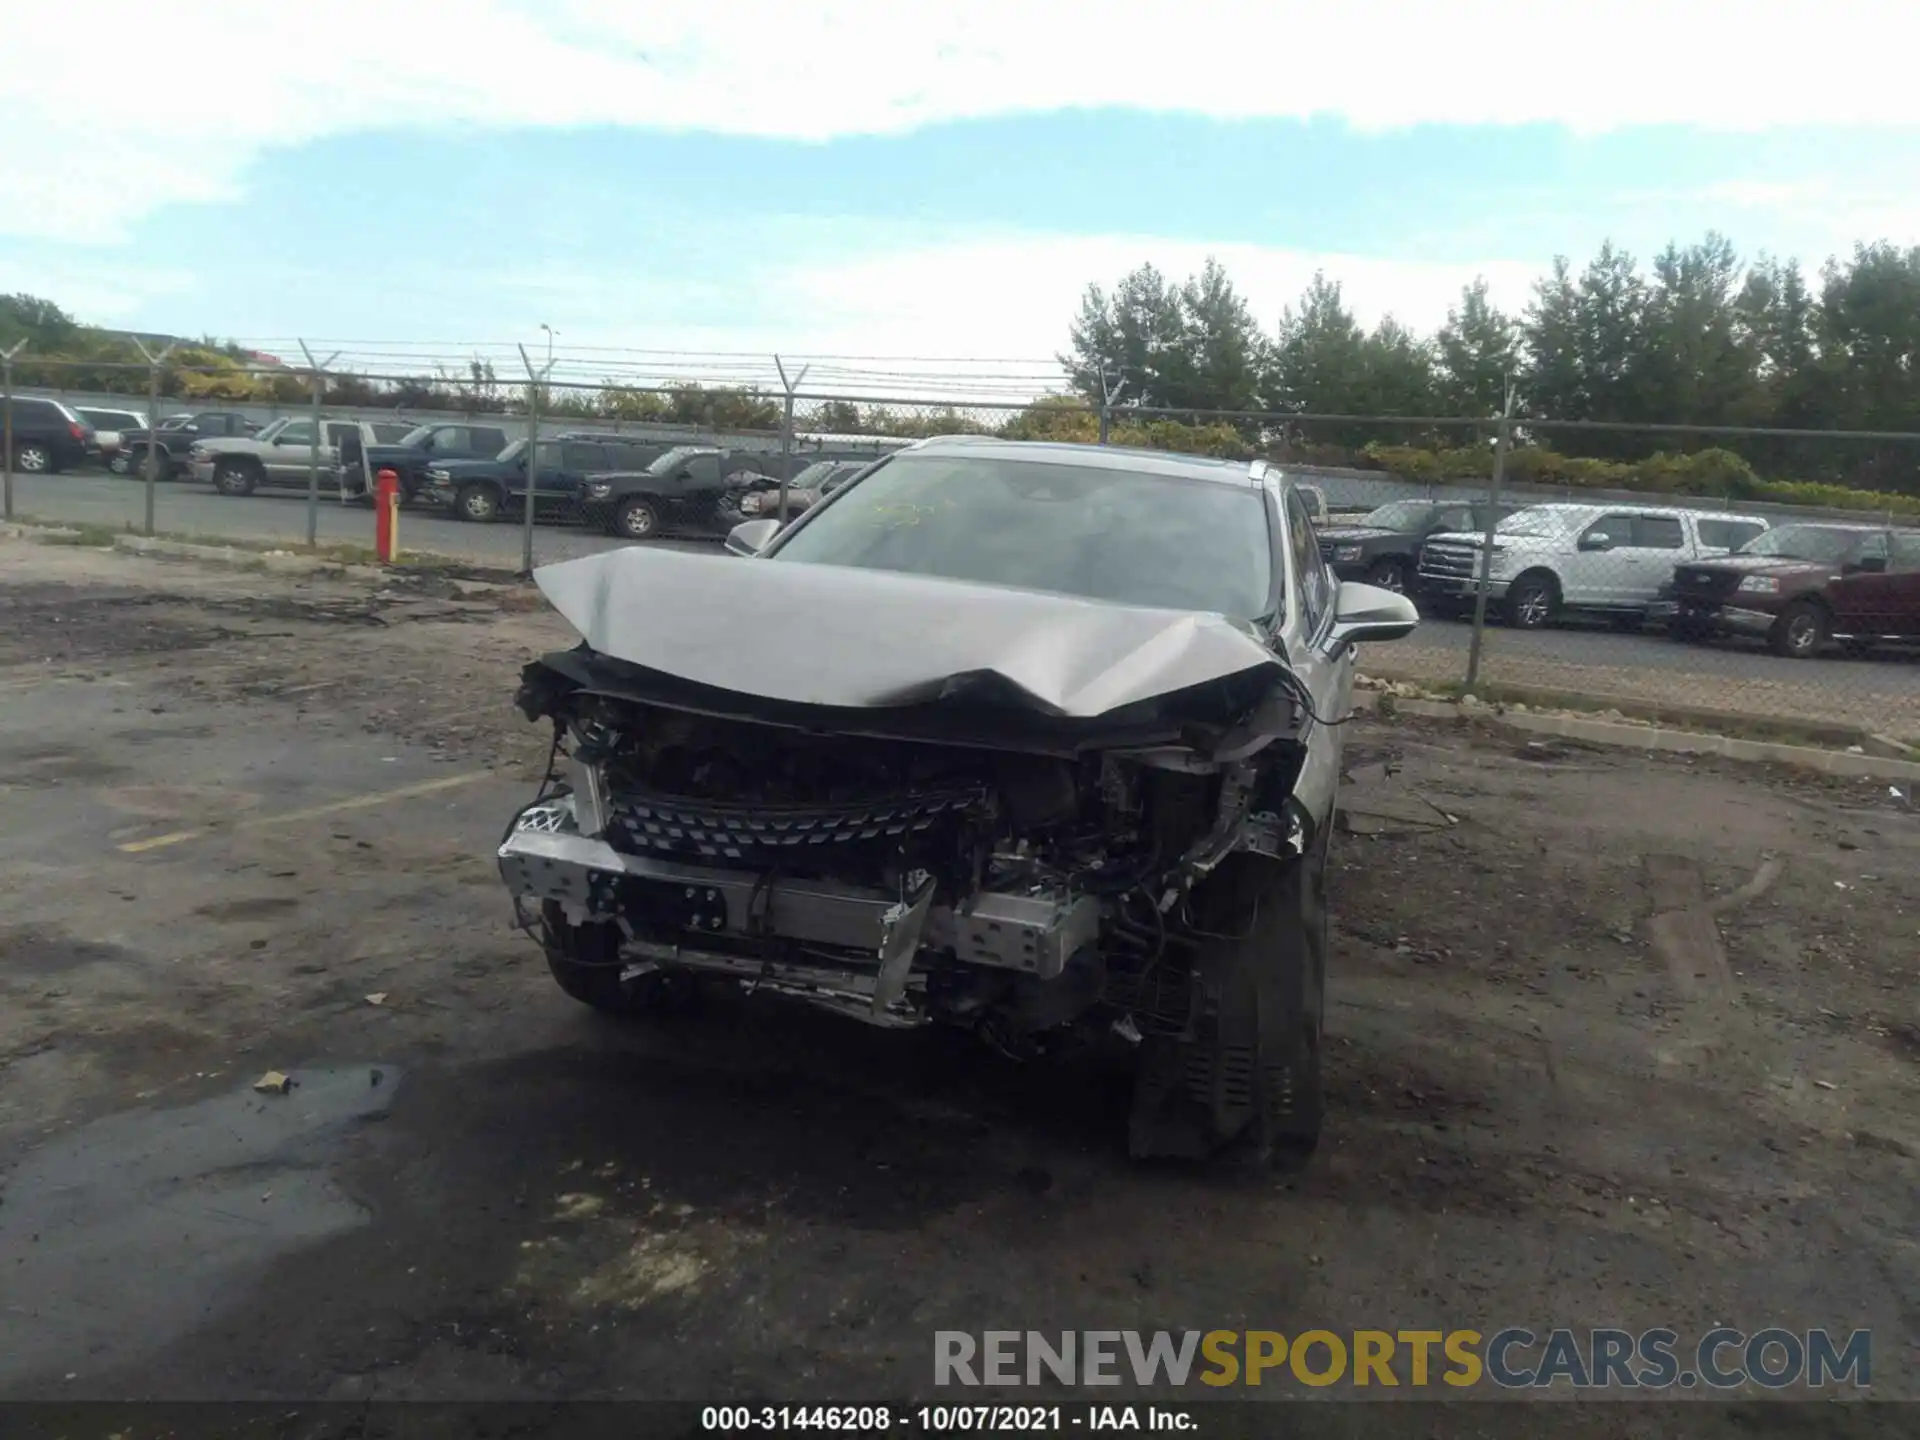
column 1628, row 507
column 1096, row 457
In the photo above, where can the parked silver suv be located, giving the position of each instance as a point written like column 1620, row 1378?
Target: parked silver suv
column 1605, row 559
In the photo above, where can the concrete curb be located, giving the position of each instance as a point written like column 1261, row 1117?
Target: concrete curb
column 1647, row 737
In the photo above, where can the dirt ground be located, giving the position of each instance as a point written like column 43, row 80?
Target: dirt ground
column 1614, row 1040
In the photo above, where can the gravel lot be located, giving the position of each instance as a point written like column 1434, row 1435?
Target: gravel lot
column 1629, row 1040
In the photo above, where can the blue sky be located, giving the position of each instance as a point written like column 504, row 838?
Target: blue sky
column 710, row 181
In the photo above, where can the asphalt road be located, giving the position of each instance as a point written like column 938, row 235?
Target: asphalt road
column 182, row 507
column 1739, row 671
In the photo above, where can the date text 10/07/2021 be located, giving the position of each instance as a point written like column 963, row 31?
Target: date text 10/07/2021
column 940, row 1419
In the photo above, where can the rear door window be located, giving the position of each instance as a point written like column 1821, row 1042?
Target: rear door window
column 1657, row 532
column 1727, row 534
column 1906, row 552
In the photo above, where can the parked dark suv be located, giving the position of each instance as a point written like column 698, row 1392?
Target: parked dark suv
column 1382, row 547
column 47, row 436
column 486, row 489
column 1801, row 586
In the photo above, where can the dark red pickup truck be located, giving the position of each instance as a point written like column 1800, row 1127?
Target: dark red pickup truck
column 1801, row 587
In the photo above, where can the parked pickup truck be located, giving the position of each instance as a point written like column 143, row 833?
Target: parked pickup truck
column 691, row 487
column 176, row 435
column 1801, row 586
column 1549, row 560
column 282, row 454
column 1382, row 547
column 416, row 452
column 483, row 490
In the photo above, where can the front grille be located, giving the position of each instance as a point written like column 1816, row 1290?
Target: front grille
column 669, row 825
column 1447, row 561
column 1705, row 584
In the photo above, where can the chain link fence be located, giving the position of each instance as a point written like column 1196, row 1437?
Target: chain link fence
column 1673, row 588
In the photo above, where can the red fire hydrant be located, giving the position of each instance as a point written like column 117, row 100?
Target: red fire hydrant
column 386, row 515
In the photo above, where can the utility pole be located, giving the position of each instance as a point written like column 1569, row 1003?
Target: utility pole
column 6, row 427
column 317, row 369
column 786, row 429
column 535, row 379
column 154, row 448
column 1486, row 539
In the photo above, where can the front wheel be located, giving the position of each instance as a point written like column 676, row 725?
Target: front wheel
column 585, row 961
column 30, row 459
column 1531, row 601
column 233, row 478
column 636, row 519
column 478, row 503
column 1247, row 1073
column 119, row 464
column 1801, row 631
column 1389, row 573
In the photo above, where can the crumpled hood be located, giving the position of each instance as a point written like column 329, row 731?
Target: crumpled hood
column 836, row 636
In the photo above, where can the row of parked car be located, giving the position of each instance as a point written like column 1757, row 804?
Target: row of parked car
column 1802, row 586
column 624, row 484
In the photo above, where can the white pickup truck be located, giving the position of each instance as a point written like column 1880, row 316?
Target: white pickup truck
column 282, row 453
column 1615, row 560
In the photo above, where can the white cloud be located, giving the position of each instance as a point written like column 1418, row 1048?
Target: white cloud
column 235, row 77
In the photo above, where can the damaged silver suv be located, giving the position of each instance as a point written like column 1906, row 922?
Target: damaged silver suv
column 1040, row 740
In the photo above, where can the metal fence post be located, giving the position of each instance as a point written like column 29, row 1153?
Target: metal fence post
column 534, row 379
column 154, row 448
column 1109, row 392
column 319, row 371
column 1486, row 541
column 786, row 430
column 6, row 429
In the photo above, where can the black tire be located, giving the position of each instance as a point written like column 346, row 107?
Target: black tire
column 1532, row 601
column 478, row 503
column 120, row 463
column 235, row 477
column 636, row 518
column 1802, row 630
column 30, row 458
column 1246, row 1077
column 585, row 961
column 1390, row 572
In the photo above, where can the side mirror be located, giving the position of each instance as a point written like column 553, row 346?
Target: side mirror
column 1366, row 612
column 751, row 537
column 1596, row 542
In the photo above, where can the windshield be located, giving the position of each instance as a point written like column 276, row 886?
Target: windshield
column 1136, row 539
column 111, row 419
column 415, row 437
column 813, row 474
column 1399, row 515
column 176, row 422
column 1532, row 522
column 676, row 456
column 1804, row 542
column 511, row 455
column 273, row 428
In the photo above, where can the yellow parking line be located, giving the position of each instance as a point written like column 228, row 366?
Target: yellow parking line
column 312, row 812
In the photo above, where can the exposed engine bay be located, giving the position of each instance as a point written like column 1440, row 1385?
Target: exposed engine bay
column 956, row 862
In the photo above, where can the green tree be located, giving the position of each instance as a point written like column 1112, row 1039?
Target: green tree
column 47, row 329
column 1478, row 350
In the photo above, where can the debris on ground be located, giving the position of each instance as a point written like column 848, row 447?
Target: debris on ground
column 273, row 1083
